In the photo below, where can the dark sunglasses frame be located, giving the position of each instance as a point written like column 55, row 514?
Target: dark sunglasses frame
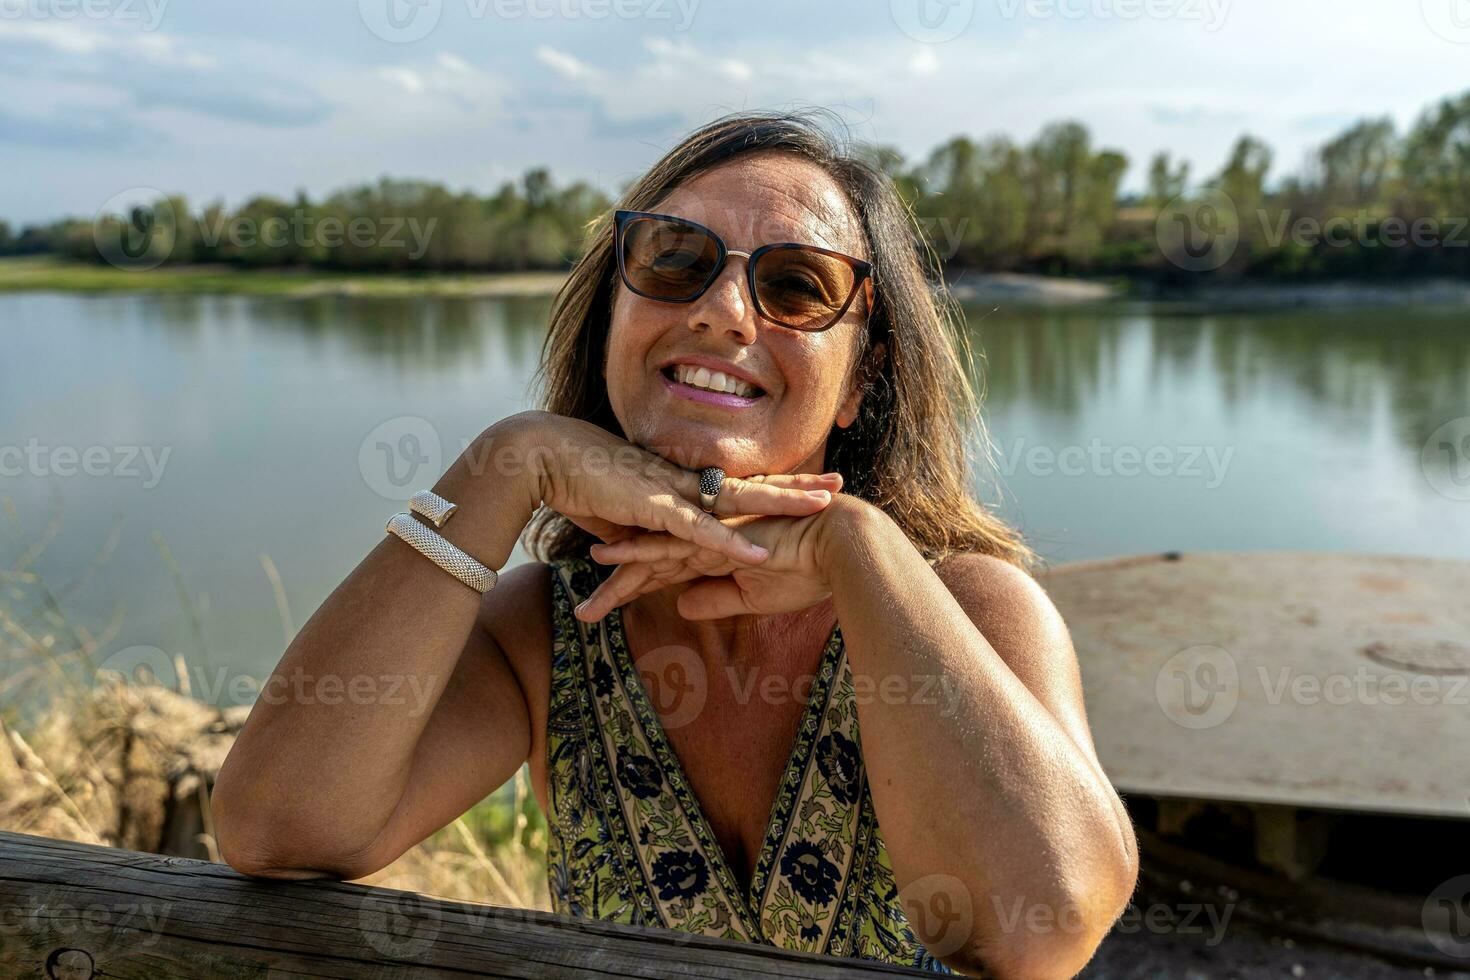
column 862, row 271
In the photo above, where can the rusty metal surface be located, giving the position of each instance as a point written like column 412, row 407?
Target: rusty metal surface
column 1324, row 680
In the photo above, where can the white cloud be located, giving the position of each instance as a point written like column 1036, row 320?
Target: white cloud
column 566, row 65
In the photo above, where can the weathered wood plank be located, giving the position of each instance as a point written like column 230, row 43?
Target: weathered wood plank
column 142, row 916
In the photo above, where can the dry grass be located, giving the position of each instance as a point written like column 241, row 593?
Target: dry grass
column 125, row 762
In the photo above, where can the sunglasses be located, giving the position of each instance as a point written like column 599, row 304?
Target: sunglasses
column 672, row 260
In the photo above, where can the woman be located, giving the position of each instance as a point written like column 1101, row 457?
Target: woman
column 832, row 712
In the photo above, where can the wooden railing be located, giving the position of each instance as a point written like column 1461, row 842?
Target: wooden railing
column 78, row 911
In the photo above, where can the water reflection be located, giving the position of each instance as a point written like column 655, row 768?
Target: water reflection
column 1344, row 364
column 1290, row 429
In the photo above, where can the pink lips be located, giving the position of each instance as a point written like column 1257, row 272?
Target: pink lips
column 722, row 398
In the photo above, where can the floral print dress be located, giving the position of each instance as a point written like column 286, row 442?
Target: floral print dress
column 628, row 842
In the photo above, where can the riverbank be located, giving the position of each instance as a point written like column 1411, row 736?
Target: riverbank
column 52, row 275
column 1005, row 289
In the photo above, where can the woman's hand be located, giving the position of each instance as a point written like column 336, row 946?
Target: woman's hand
column 792, row 578
column 615, row 490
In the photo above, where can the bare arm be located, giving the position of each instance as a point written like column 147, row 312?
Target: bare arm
column 391, row 712
column 397, row 707
column 1033, row 841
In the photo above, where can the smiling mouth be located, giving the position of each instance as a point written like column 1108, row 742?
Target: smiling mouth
column 703, row 379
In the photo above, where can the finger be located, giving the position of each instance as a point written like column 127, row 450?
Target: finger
column 712, row 598
column 679, row 517
column 739, row 496
column 644, row 547
column 783, row 494
column 801, row 481
column 622, row 586
column 604, row 530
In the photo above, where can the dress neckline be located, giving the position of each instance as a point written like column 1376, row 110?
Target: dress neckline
column 798, row 760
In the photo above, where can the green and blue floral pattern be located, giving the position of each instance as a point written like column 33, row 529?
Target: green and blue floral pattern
column 628, row 842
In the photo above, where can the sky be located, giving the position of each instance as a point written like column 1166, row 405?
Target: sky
column 223, row 99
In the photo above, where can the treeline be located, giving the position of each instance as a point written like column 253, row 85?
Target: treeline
column 1371, row 202
column 391, row 225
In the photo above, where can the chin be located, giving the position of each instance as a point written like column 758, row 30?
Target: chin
column 694, row 444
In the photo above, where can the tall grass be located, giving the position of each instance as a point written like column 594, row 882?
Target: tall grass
column 86, row 755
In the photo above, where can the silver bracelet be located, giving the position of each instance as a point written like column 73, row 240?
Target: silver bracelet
column 439, row 550
column 427, row 503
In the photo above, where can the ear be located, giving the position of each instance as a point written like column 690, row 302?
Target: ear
column 847, row 413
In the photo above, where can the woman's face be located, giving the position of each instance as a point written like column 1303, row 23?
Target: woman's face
column 806, row 379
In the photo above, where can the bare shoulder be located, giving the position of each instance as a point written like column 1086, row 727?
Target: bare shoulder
column 1004, row 599
column 1022, row 624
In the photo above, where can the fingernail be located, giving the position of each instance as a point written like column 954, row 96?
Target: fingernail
column 582, row 606
column 821, row 495
column 759, row 552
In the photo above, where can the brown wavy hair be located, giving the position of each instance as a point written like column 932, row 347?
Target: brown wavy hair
column 906, row 452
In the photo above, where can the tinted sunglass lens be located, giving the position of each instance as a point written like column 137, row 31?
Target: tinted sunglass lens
column 803, row 288
column 667, row 260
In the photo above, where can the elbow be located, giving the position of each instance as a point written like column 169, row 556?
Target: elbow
column 1052, row 939
column 260, row 841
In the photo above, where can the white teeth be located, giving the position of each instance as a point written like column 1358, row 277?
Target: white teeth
column 711, row 380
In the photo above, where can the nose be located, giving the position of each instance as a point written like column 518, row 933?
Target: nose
column 727, row 306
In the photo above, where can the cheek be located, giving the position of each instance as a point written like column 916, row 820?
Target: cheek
column 634, row 328
column 816, row 378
